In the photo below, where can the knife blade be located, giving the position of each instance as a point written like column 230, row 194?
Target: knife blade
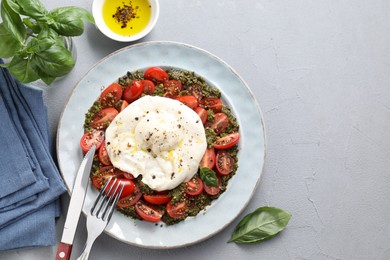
column 75, row 206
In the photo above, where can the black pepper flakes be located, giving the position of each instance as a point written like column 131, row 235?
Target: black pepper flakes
column 124, row 14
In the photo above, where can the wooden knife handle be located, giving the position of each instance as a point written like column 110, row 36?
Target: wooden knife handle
column 63, row 252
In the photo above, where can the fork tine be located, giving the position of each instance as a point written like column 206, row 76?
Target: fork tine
column 107, row 197
column 101, row 193
column 108, row 214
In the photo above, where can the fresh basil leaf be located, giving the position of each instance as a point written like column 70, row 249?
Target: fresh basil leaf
column 56, row 61
column 81, row 13
column 263, row 223
column 51, row 34
column 14, row 6
column 44, row 77
column 35, row 45
column 66, row 21
column 31, row 8
column 8, row 44
column 209, row 177
column 12, row 21
column 22, row 69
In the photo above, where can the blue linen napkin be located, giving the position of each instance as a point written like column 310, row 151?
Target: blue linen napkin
column 32, row 183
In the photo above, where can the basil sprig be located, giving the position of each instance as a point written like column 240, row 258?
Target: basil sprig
column 208, row 176
column 262, row 224
column 33, row 37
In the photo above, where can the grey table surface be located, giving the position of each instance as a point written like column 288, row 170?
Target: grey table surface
column 320, row 71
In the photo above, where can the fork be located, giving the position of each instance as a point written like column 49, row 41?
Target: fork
column 101, row 212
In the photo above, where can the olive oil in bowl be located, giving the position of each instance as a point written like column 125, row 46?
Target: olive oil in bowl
column 125, row 20
column 126, row 17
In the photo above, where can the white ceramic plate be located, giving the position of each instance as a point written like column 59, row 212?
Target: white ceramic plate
column 235, row 93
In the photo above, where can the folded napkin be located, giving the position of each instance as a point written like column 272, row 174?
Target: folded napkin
column 30, row 183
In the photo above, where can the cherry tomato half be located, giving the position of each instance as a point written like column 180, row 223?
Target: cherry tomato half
column 103, row 155
column 156, row 74
column 227, row 141
column 128, row 188
column 214, row 104
column 157, row 199
column 221, row 121
column 208, row 159
column 131, row 199
column 212, row 191
column 148, row 212
column 196, row 91
column 177, row 210
column 102, row 119
column 194, row 187
column 225, row 162
column 202, row 113
column 102, row 177
column 94, row 138
column 133, row 92
column 111, row 95
column 123, row 105
column 148, row 86
column 189, row 101
column 172, row 88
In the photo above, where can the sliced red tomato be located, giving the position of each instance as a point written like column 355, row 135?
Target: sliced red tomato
column 103, row 155
column 111, row 95
column 221, row 121
column 202, row 113
column 173, row 87
column 128, row 175
column 133, row 92
column 208, row 159
column 94, row 138
column 102, row 119
column 214, row 104
column 128, row 188
column 131, row 199
column 148, row 86
column 196, row 91
column 102, row 177
column 189, row 101
column 156, row 74
column 148, row 212
column 225, row 162
column 177, row 210
column 212, row 191
column 227, row 141
column 157, row 199
column 123, row 105
column 194, row 187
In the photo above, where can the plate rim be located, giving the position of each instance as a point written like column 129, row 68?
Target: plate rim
column 226, row 65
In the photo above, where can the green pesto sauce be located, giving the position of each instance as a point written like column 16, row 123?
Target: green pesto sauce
column 96, row 107
column 159, row 90
column 211, row 136
column 177, row 193
column 127, row 79
column 143, row 187
column 233, row 126
column 189, row 79
column 195, row 203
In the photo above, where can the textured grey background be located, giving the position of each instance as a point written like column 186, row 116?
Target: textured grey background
column 320, row 71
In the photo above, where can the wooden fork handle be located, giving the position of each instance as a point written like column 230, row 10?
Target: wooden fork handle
column 63, row 252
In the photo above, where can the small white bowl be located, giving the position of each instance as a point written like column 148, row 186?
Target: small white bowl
column 97, row 12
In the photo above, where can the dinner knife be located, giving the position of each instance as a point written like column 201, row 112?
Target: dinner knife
column 75, row 206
